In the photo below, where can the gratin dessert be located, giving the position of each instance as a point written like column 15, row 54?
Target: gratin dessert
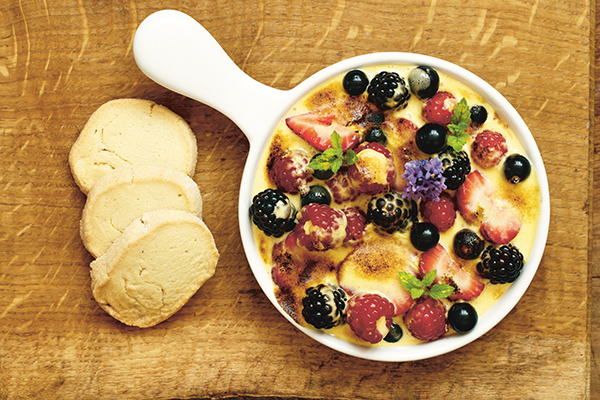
column 393, row 206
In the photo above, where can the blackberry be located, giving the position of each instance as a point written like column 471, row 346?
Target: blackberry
column 388, row 90
column 391, row 212
column 456, row 167
column 324, row 306
column 501, row 265
column 273, row 213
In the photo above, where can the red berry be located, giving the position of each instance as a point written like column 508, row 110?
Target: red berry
column 319, row 228
column 342, row 188
column 374, row 170
column 440, row 213
column 439, row 108
column 488, row 148
column 289, row 173
column 370, row 316
column 357, row 222
column 426, row 319
column 316, row 129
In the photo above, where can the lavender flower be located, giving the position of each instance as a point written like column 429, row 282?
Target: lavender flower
column 424, row 179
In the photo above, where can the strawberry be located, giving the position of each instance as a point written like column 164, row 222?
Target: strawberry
column 440, row 213
column 474, row 197
column 449, row 272
column 316, row 129
column 488, row 148
column 426, row 319
column 500, row 225
column 439, row 108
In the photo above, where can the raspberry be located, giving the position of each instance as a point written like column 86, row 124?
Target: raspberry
column 272, row 212
column 289, row 173
column 488, row 148
column 374, row 170
column 501, row 265
column 355, row 229
column 319, row 228
column 370, row 316
column 439, row 108
column 324, row 306
column 440, row 213
column 342, row 188
column 426, row 319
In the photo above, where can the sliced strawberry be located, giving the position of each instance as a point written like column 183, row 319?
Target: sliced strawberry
column 316, row 129
column 450, row 273
column 474, row 197
column 500, row 225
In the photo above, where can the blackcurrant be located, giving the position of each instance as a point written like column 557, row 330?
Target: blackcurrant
column 376, row 135
column 424, row 236
column 516, row 168
column 316, row 194
column 424, row 81
column 467, row 244
column 462, row 317
column 395, row 333
column 355, row 82
column 478, row 114
column 431, row 138
column 322, row 174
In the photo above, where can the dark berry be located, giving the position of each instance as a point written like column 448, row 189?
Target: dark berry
column 395, row 333
column 324, row 306
column 376, row 135
column 500, row 265
column 424, row 236
column 388, row 90
column 431, row 138
column 424, row 81
column 355, row 82
column 467, row 244
column 375, row 118
column 478, row 114
column 462, row 317
column 391, row 212
column 273, row 213
column 516, row 168
column 456, row 167
column 321, row 174
column 316, row 194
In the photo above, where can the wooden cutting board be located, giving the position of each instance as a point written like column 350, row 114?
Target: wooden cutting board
column 60, row 60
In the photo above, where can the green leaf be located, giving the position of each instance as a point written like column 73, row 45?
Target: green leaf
column 429, row 278
column 440, row 291
column 321, row 162
column 351, row 157
column 409, row 281
column 336, row 164
column 415, row 293
column 336, row 140
column 459, row 122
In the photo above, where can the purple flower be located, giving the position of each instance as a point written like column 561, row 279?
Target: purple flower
column 424, row 179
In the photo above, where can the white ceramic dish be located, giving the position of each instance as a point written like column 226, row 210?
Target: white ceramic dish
column 175, row 51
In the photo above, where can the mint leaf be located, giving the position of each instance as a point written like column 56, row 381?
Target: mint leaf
column 440, row 291
column 418, row 288
column 333, row 157
column 459, row 122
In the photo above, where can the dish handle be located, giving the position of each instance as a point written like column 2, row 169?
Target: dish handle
column 175, row 51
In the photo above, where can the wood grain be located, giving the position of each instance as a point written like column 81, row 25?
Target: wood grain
column 61, row 60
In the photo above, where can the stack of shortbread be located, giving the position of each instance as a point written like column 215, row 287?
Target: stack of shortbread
column 142, row 219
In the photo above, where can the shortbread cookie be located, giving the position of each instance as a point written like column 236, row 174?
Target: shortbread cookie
column 154, row 268
column 131, row 131
column 123, row 195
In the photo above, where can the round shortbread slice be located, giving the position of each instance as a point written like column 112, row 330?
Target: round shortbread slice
column 123, row 195
column 131, row 132
column 154, row 268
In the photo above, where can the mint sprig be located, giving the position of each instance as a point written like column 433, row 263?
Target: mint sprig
column 333, row 157
column 418, row 288
column 460, row 121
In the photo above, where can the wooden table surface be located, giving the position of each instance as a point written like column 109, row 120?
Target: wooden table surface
column 60, row 60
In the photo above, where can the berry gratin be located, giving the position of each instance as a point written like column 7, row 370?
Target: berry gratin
column 393, row 207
